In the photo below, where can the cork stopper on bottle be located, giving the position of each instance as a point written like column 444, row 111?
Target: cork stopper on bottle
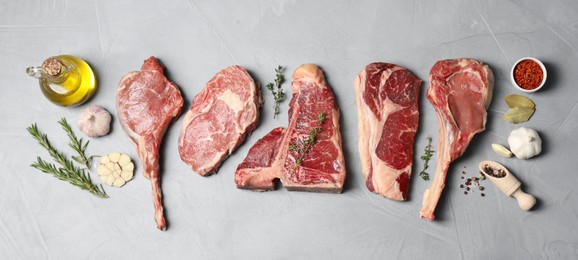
column 51, row 67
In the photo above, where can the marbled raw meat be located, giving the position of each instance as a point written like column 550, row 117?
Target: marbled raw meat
column 323, row 168
column 388, row 117
column 460, row 91
column 220, row 118
column 147, row 103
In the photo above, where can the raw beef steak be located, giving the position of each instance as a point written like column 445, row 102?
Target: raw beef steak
column 257, row 171
column 323, row 168
column 460, row 91
column 221, row 116
column 388, row 116
column 147, row 103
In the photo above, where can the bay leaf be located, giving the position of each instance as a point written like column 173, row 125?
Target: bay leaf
column 519, row 101
column 518, row 115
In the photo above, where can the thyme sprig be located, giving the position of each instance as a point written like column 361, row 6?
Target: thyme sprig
column 428, row 153
column 77, row 144
column 277, row 90
column 308, row 142
column 67, row 170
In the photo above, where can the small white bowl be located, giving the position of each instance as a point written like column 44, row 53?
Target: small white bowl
column 543, row 79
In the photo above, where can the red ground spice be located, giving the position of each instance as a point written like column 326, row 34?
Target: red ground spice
column 528, row 74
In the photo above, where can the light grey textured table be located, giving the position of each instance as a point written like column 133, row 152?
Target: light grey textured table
column 41, row 217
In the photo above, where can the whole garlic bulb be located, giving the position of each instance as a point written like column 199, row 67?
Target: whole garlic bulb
column 94, row 121
column 525, row 143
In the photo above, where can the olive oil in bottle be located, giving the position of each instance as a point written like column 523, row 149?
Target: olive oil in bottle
column 65, row 80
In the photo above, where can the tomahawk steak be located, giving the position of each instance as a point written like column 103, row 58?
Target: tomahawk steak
column 460, row 91
column 322, row 169
column 220, row 118
column 388, row 116
column 147, row 103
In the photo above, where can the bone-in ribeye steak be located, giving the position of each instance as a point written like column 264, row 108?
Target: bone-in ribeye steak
column 460, row 91
column 388, row 116
column 221, row 116
column 323, row 168
column 147, row 103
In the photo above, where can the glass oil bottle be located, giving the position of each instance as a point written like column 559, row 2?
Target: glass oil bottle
column 65, row 80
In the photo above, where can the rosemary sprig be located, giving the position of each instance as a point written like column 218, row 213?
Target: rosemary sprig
column 67, row 170
column 308, row 142
column 77, row 145
column 278, row 95
column 426, row 157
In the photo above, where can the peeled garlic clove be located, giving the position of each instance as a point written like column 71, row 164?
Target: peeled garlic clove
column 103, row 170
column 118, row 182
column 115, row 169
column 128, row 167
column 94, row 121
column 501, row 150
column 110, row 165
column 109, row 179
column 123, row 159
column 126, row 175
column 104, row 160
column 114, row 156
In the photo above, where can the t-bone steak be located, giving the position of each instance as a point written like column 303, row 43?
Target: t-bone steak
column 323, row 168
column 460, row 91
column 388, row 116
column 147, row 103
column 220, row 118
